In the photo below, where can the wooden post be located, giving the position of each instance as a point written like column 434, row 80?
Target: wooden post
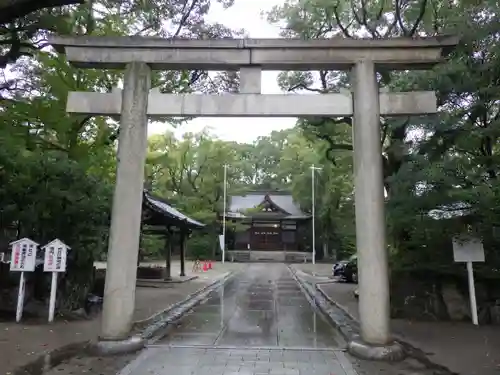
column 168, row 255
column 182, row 243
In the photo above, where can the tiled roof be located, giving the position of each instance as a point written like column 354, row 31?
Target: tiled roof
column 240, row 203
column 455, row 210
column 169, row 211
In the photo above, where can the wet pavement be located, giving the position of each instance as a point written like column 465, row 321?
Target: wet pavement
column 258, row 323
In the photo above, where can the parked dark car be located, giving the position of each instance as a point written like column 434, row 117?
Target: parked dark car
column 347, row 270
column 338, row 268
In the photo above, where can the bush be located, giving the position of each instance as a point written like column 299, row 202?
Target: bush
column 50, row 196
column 201, row 246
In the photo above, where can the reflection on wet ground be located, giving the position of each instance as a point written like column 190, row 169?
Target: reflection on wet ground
column 197, row 360
column 260, row 323
column 261, row 307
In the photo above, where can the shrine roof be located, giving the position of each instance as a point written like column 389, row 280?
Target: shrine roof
column 451, row 211
column 171, row 214
column 239, row 204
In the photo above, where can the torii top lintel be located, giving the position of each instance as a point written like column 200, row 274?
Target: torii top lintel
column 267, row 54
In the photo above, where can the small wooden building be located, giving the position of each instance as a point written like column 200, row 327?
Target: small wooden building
column 272, row 222
column 159, row 218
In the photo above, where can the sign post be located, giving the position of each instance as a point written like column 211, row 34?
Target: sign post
column 56, row 253
column 23, row 260
column 313, row 200
column 223, row 240
column 469, row 249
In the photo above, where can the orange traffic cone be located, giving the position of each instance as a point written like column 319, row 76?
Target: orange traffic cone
column 209, row 264
column 205, row 267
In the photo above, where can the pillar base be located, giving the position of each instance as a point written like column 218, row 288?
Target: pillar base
column 391, row 352
column 117, row 347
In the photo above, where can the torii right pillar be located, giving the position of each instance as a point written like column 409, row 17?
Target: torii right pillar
column 375, row 341
column 373, row 277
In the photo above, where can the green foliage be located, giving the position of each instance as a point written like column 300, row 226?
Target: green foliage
column 438, row 162
column 201, row 245
column 46, row 196
column 57, row 169
column 153, row 247
column 333, row 184
column 189, row 172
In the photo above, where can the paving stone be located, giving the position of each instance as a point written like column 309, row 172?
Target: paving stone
column 249, row 328
column 222, row 362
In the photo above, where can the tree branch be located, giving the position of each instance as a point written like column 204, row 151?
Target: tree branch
column 173, row 180
column 423, row 6
column 397, row 5
column 185, row 16
column 355, row 14
column 339, row 23
column 192, row 180
column 11, row 10
column 301, row 85
column 366, row 21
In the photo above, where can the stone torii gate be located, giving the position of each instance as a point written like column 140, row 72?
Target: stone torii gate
column 136, row 102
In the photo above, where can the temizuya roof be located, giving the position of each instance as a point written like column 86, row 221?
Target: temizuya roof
column 170, row 213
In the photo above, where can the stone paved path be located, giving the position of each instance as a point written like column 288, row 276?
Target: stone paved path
column 250, row 361
column 260, row 323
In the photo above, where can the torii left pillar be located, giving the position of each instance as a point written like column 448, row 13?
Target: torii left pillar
column 121, row 274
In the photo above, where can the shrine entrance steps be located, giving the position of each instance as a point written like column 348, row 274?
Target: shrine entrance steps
column 276, row 256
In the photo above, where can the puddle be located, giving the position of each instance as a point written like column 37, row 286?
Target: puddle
column 46, row 362
column 263, row 306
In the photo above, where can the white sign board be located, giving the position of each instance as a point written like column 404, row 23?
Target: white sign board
column 23, row 255
column 468, row 249
column 221, row 242
column 56, row 254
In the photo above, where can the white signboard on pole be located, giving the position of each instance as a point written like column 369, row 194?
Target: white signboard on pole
column 23, row 255
column 23, row 260
column 221, row 242
column 468, row 249
column 56, row 253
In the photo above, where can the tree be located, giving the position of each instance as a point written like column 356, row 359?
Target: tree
column 46, row 196
column 26, row 36
column 73, row 156
column 428, row 162
column 333, row 186
column 14, row 9
column 189, row 172
column 348, row 18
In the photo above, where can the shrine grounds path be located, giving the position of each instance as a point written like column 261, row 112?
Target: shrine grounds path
column 460, row 347
column 28, row 342
column 258, row 323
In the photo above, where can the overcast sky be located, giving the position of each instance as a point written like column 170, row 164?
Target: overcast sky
column 243, row 14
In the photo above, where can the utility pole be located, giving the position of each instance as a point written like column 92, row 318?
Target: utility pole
column 313, row 169
column 224, row 216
